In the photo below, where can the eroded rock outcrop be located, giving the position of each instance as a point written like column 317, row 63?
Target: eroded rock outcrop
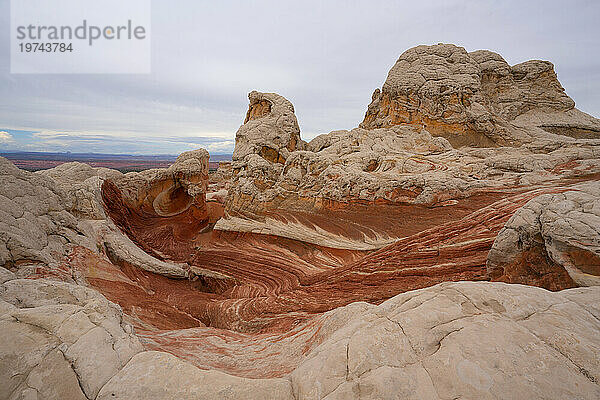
column 398, row 165
column 170, row 191
column 553, row 241
column 342, row 268
column 159, row 208
column 436, row 98
column 35, row 224
column 269, row 130
column 476, row 98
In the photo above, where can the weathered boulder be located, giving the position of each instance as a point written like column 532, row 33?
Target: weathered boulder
column 553, row 241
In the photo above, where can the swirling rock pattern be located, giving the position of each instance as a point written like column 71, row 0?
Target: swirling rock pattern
column 69, row 341
column 363, row 264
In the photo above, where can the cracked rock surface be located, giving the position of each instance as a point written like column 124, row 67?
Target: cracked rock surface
column 35, row 226
column 465, row 339
column 60, row 340
column 461, row 340
column 554, row 238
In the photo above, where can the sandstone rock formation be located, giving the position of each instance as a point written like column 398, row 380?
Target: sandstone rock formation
column 476, row 98
column 436, row 98
column 553, row 241
column 69, row 342
column 60, row 340
column 35, row 225
column 269, row 130
column 359, row 265
column 396, row 166
column 171, row 191
column 157, row 208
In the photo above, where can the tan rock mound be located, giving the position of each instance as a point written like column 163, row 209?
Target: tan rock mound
column 60, row 341
column 81, row 183
column 35, row 224
column 476, row 98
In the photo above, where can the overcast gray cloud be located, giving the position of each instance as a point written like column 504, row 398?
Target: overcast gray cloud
column 325, row 56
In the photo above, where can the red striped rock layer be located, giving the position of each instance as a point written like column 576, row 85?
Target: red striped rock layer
column 275, row 283
column 452, row 251
column 260, row 322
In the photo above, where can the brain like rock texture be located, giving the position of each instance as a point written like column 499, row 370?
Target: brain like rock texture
column 35, row 224
column 476, row 98
column 553, row 241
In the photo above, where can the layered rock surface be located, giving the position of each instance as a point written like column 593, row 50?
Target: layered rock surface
column 354, row 266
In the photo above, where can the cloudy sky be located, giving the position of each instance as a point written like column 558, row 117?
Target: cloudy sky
column 327, row 57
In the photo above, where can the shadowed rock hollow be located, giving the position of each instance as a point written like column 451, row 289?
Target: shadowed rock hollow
column 446, row 248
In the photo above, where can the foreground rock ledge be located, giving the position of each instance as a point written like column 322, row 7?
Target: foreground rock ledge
column 464, row 339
